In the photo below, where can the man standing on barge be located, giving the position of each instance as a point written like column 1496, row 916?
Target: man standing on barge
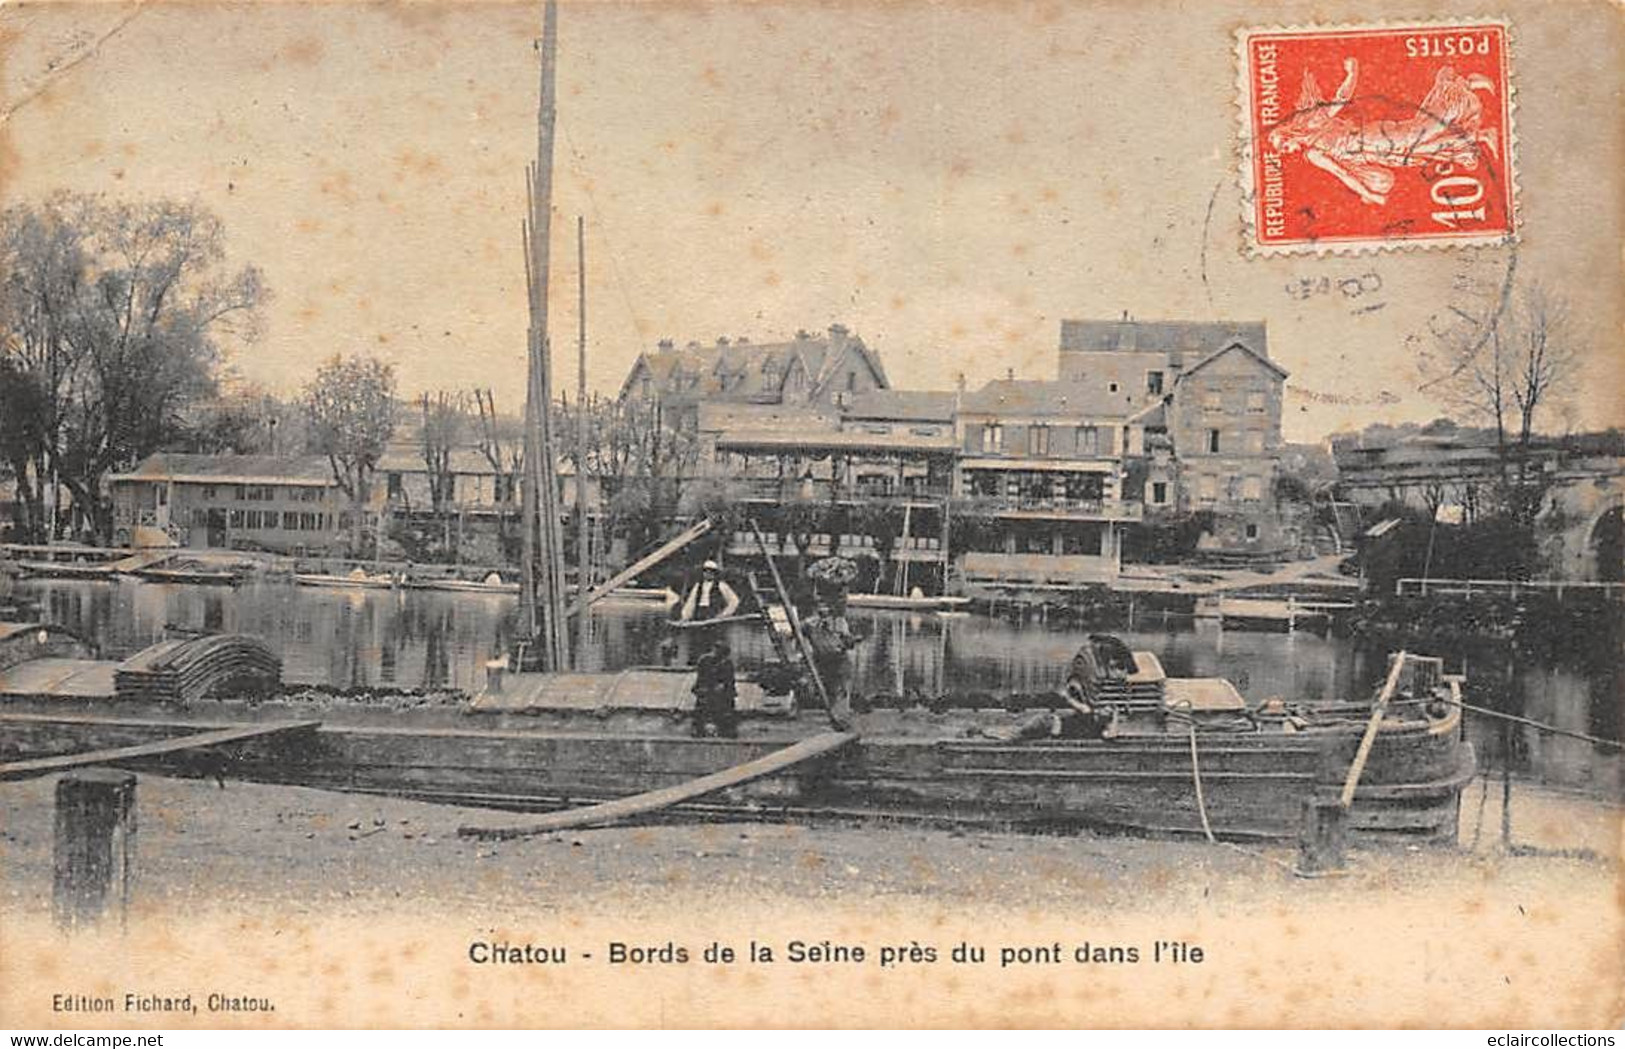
column 830, row 635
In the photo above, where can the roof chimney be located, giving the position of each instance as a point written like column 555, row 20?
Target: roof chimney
column 741, row 340
column 722, row 340
column 837, row 331
column 666, row 345
column 802, row 334
column 1010, row 375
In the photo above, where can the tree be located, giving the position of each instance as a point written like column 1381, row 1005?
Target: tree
column 246, row 421
column 502, row 442
column 444, row 414
column 111, row 322
column 1506, row 372
column 639, row 459
column 883, row 524
column 351, row 407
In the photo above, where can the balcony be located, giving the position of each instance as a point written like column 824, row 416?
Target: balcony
column 1036, row 506
column 771, row 489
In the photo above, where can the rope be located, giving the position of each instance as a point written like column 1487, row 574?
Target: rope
column 1207, row 826
column 1196, row 778
column 1543, row 726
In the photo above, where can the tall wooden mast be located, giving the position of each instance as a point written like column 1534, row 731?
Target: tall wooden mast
column 542, row 604
column 583, row 555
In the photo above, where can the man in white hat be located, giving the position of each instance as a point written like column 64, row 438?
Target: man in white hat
column 710, row 598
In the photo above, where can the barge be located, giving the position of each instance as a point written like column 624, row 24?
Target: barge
column 1182, row 756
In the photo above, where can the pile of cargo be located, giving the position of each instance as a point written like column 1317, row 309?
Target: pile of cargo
column 184, row 670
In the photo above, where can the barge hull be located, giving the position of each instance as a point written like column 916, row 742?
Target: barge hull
column 1253, row 785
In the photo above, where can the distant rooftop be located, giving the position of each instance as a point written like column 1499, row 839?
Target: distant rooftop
column 231, row 469
column 1197, row 338
column 902, row 405
column 1043, row 397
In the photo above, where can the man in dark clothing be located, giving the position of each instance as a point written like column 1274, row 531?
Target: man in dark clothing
column 714, row 693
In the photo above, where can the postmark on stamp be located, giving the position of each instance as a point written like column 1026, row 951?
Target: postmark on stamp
column 1368, row 137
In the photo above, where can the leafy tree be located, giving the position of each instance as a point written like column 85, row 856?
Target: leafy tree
column 111, row 322
column 249, row 421
column 351, row 407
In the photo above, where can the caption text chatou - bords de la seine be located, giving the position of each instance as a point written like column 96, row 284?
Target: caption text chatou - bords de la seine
column 886, row 955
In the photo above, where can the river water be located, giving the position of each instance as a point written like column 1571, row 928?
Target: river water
column 365, row 638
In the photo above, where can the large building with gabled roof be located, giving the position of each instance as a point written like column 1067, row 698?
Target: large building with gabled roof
column 810, row 371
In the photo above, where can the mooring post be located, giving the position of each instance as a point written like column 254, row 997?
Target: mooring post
column 1506, row 785
column 1322, row 835
column 95, row 846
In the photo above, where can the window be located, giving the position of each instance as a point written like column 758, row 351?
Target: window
column 1153, row 383
column 1159, row 492
column 1213, row 400
column 1252, row 488
column 1038, row 440
column 851, row 382
column 992, row 437
column 1088, row 440
column 393, row 482
column 1252, row 531
column 1035, row 542
column 1111, row 387
column 1207, row 488
column 290, row 520
column 1213, row 440
column 208, row 491
column 1255, row 402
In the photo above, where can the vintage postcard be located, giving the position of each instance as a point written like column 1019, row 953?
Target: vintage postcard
column 583, row 513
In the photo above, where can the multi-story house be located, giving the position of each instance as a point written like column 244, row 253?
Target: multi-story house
column 1045, row 461
column 1211, row 401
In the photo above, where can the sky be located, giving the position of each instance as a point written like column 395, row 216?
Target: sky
column 947, row 180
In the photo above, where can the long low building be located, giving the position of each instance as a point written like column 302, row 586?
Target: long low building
column 285, row 504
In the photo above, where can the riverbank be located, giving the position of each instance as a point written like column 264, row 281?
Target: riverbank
column 350, row 910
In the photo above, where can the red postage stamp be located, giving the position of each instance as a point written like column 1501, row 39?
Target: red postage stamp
column 1373, row 137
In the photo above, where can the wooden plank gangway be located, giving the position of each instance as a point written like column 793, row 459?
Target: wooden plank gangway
column 31, row 767
column 655, row 800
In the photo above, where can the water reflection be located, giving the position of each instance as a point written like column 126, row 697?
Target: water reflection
column 416, row 638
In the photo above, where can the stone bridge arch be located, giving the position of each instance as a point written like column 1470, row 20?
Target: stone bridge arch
column 1587, row 510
